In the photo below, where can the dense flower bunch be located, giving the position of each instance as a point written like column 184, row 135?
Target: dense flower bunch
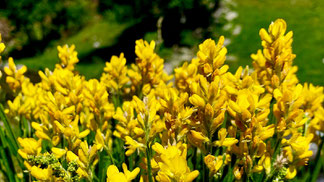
column 207, row 124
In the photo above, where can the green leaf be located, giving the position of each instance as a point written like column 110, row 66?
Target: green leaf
column 12, row 139
column 8, row 169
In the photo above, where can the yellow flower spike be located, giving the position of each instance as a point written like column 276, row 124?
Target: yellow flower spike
column 115, row 76
column 211, row 57
column 273, row 66
column 15, row 77
column 149, row 65
column 196, row 100
column 67, row 56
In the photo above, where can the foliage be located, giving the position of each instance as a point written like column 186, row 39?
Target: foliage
column 207, row 124
column 37, row 22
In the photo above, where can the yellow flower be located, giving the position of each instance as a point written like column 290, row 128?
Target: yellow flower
column 197, row 137
column 273, row 66
column 30, row 146
column 196, row 100
column 299, row 145
column 150, row 65
column 291, row 172
column 113, row 174
column 186, row 75
column 41, row 131
column 138, row 131
column 41, row 174
column 223, row 141
column 212, row 57
column 58, row 152
column 15, row 77
column 87, row 154
column 116, row 73
column 213, row 163
column 96, row 97
column 132, row 145
column 172, row 163
column 67, row 56
column 175, row 111
column 70, row 156
column 263, row 163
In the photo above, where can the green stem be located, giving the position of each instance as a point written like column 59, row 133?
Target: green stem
column 130, row 162
column 110, row 155
column 149, row 167
column 26, row 128
column 111, row 158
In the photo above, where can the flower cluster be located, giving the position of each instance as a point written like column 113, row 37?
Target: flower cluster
column 201, row 123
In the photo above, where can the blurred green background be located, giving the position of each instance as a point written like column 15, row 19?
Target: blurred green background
column 32, row 29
